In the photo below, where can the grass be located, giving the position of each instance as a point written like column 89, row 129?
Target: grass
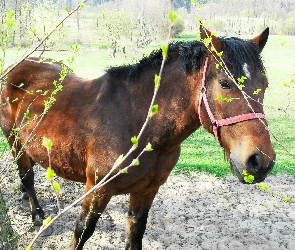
column 201, row 152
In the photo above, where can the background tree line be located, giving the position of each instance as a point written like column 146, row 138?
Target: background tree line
column 125, row 26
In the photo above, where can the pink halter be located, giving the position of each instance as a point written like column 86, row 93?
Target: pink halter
column 223, row 122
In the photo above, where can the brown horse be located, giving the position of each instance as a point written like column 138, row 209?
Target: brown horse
column 92, row 121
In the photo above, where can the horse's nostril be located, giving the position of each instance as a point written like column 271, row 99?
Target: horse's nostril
column 254, row 163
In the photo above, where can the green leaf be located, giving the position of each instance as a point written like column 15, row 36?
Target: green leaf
column 148, row 147
column 46, row 221
column 263, row 187
column 81, row 5
column 256, row 91
column 120, row 159
column 29, row 248
column 47, row 143
column 27, row 114
column 287, row 199
column 75, row 48
column 242, row 79
column 134, row 141
column 249, row 178
column 157, row 80
column 193, row 2
column 15, row 130
column 207, row 41
column 172, row 16
column 125, row 171
column 200, row 6
column 164, row 50
column 219, row 98
column 154, row 110
column 135, row 162
column 241, row 86
column 50, row 174
column 56, row 186
column 219, row 53
column 228, row 99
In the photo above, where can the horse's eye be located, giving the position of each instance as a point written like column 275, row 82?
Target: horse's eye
column 224, row 84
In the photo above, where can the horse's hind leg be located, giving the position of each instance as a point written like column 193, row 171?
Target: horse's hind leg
column 25, row 195
column 92, row 208
column 26, row 173
column 139, row 206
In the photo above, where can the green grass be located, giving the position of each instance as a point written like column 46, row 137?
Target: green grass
column 201, row 152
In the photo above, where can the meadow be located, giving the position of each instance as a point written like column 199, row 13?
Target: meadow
column 200, row 152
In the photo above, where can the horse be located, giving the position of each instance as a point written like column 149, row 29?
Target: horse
column 91, row 122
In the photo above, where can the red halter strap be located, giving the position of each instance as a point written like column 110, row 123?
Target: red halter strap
column 222, row 122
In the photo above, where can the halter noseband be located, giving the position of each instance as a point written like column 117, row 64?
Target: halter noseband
column 222, row 122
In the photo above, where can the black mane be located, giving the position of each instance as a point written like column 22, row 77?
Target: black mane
column 236, row 52
column 190, row 56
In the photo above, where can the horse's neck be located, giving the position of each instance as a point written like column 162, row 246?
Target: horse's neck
column 178, row 101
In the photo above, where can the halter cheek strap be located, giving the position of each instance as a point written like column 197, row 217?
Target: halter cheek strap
column 222, row 122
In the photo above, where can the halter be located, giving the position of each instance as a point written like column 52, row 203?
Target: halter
column 222, row 122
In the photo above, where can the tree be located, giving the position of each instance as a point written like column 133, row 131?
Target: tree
column 115, row 28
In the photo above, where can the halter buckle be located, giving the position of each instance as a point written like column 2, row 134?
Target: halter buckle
column 203, row 90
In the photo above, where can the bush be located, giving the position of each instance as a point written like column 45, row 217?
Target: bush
column 178, row 26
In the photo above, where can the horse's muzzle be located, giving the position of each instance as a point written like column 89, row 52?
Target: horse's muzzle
column 255, row 165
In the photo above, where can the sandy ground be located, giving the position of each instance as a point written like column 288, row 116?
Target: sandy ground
column 201, row 212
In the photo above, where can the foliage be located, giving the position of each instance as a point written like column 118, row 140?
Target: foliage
column 178, row 26
column 115, row 28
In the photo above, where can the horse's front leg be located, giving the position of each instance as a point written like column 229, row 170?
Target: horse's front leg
column 139, row 206
column 26, row 173
column 92, row 207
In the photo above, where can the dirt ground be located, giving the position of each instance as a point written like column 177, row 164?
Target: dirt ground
column 201, row 212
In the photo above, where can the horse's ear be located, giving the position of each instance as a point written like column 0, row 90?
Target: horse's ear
column 261, row 40
column 205, row 34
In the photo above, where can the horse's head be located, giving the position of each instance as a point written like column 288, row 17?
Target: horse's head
column 231, row 100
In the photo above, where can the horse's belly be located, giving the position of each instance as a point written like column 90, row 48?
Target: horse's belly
column 67, row 161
